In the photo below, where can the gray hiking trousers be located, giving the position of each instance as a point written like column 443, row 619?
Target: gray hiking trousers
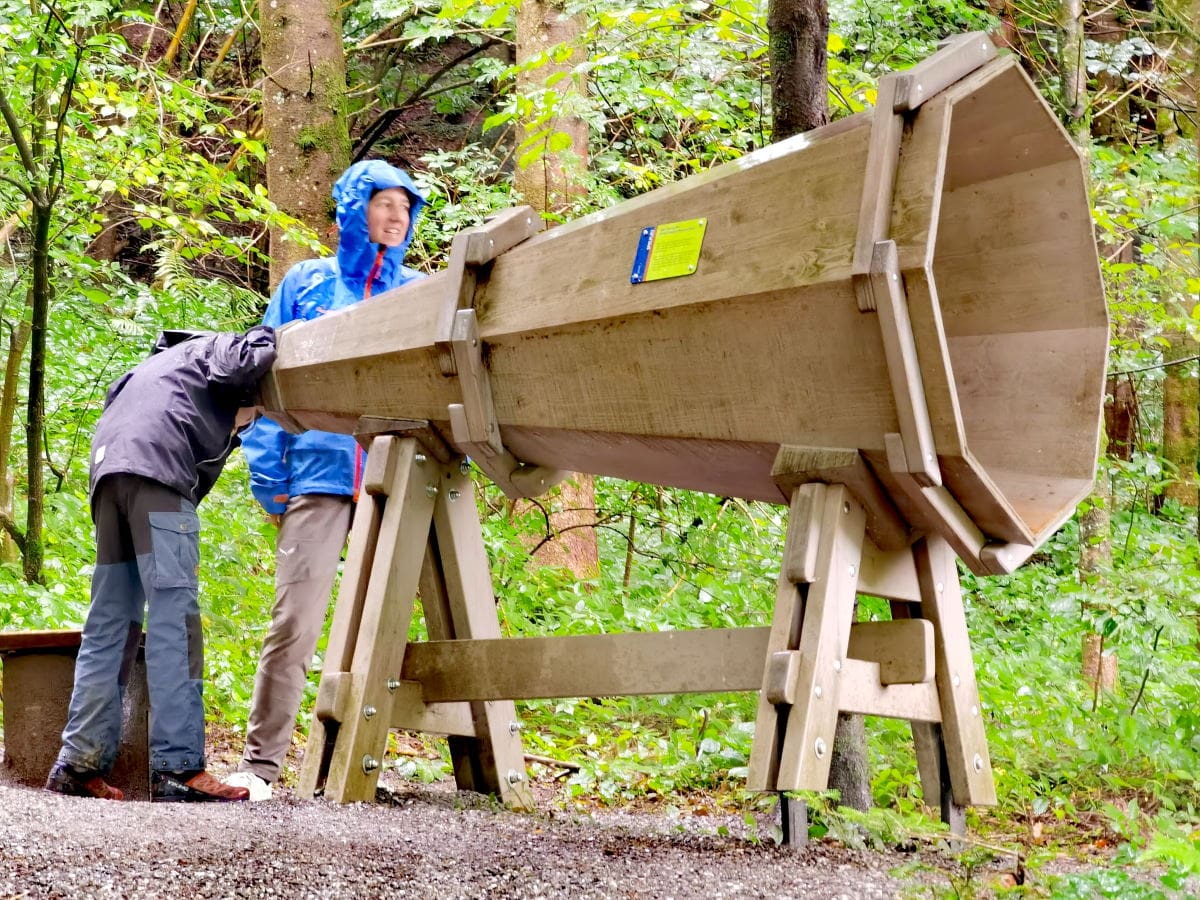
column 310, row 541
column 147, row 556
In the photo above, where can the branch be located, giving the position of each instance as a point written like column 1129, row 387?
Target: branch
column 1161, row 365
column 23, row 188
column 15, row 533
column 18, row 136
column 57, row 173
column 375, row 130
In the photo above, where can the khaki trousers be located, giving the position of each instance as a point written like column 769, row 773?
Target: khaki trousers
column 311, row 537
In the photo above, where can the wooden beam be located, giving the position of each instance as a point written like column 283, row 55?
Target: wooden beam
column 590, row 665
column 959, row 57
column 903, row 649
column 962, row 716
column 795, row 466
column 860, row 692
column 412, row 713
column 904, row 369
column 638, row 663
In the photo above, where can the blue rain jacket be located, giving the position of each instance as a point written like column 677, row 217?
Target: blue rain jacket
column 317, row 462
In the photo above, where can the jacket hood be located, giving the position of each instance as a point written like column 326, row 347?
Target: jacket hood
column 356, row 254
column 168, row 339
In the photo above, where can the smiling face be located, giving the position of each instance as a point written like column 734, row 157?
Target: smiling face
column 388, row 216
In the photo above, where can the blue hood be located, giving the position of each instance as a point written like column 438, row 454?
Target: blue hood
column 356, row 254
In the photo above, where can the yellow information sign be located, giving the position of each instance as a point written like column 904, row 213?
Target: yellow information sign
column 668, row 250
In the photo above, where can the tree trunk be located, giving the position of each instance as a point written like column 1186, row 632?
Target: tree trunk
column 549, row 184
column 799, row 34
column 1072, row 65
column 1196, row 138
column 304, row 117
column 18, row 339
column 35, row 405
column 1095, row 525
column 1181, row 419
column 848, row 772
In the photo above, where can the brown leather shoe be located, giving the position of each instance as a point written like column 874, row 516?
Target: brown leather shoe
column 193, row 787
column 65, row 779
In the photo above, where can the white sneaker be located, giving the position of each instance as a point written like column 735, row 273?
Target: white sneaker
column 259, row 790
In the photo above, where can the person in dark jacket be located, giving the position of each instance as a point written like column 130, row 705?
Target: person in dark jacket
column 307, row 482
column 165, row 433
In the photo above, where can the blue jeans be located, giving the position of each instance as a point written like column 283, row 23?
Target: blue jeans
column 147, row 556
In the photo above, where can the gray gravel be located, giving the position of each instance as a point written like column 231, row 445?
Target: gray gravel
column 416, row 843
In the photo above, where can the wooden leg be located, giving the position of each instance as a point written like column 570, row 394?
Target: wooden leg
column 456, row 594
column 962, row 731
column 347, row 613
column 770, row 722
column 825, row 546
column 793, row 821
column 824, row 639
column 363, row 702
column 934, row 772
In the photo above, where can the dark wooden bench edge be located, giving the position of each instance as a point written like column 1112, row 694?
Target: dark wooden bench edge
column 39, row 640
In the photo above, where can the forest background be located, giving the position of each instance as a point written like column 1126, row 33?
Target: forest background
column 136, row 193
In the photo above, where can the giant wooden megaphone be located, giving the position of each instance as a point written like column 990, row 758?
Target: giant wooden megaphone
column 907, row 300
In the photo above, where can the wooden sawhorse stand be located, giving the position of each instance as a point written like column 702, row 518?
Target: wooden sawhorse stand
column 820, row 662
column 417, row 526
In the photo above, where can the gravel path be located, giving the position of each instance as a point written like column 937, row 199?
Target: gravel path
column 430, row 844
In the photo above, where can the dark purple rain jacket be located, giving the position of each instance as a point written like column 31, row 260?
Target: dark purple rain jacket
column 171, row 418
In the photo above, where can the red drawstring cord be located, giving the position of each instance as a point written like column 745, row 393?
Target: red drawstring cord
column 358, row 451
column 374, row 272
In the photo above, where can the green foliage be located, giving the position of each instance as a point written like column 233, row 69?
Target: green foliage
column 674, row 89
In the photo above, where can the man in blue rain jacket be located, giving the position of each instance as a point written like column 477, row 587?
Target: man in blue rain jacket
column 307, row 482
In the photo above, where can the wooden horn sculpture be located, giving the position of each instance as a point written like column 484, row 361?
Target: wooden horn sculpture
column 894, row 323
column 992, row 373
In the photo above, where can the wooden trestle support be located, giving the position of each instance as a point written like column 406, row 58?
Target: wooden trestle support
column 417, row 528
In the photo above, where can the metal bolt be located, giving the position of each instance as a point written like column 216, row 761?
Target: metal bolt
column 819, row 747
column 929, row 456
column 846, row 508
column 940, row 587
column 454, row 494
column 853, row 570
column 514, row 727
column 464, row 468
column 369, row 764
column 515, row 777
column 369, row 712
column 974, row 710
column 817, row 692
column 837, row 665
column 431, row 491
column 393, row 683
column 957, row 681
column 420, row 459
column 978, row 762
